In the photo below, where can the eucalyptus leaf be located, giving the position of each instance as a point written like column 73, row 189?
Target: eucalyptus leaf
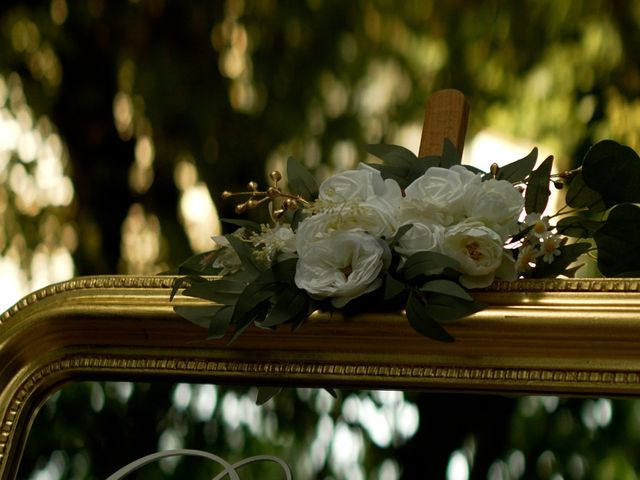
column 568, row 254
column 579, row 195
column 200, row 264
column 285, row 271
column 427, row 263
column 261, row 289
column 537, row 194
column 446, row 287
column 392, row 287
column 290, row 302
column 245, row 253
column 578, row 226
column 519, row 170
column 246, row 224
column 200, row 315
column 392, row 154
column 242, row 320
column 400, row 233
column 618, row 241
column 300, row 180
column 422, row 322
column 450, row 155
column 219, row 324
column 613, row 170
column 223, row 291
column 444, row 307
column 266, row 393
column 180, row 282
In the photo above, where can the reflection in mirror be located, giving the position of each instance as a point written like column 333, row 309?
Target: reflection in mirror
column 91, row 429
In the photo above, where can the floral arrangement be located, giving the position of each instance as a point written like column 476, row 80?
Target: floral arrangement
column 412, row 233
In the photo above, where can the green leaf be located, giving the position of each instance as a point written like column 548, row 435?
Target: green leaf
column 266, row 393
column 427, row 263
column 424, row 324
column 392, row 154
column 392, row 287
column 578, row 226
column 300, row 181
column 613, row 170
column 519, row 170
column 246, row 224
column 187, row 280
column 201, row 315
column 618, row 241
column 262, row 288
column 537, row 194
column 446, row 307
column 446, row 287
column 242, row 320
column 568, row 255
column 223, row 291
column 220, row 322
column 200, row 264
column 399, row 234
column 580, row 196
column 289, row 304
column 245, row 253
column 285, row 271
column 450, row 155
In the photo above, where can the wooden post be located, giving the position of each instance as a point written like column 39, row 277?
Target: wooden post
column 446, row 116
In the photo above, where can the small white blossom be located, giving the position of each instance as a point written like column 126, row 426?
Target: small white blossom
column 273, row 241
column 550, row 247
column 539, row 225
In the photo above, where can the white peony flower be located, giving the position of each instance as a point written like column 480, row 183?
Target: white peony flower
column 421, row 237
column 358, row 186
column 479, row 251
column 342, row 266
column 550, row 247
column 438, row 195
column 495, row 202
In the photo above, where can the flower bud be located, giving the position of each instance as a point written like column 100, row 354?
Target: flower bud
column 275, row 175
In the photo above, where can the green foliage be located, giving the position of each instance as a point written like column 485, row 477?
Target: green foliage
column 520, row 169
column 300, row 180
column 579, row 195
column 618, row 242
column 418, row 315
column 613, row 170
column 537, row 194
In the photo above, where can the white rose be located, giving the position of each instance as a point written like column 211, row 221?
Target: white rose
column 341, row 267
column 479, row 251
column 375, row 216
column 421, row 237
column 359, row 185
column 438, row 195
column 497, row 203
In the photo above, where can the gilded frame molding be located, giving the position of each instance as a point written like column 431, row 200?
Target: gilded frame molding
column 565, row 337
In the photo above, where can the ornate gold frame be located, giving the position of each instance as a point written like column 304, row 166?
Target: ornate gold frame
column 570, row 337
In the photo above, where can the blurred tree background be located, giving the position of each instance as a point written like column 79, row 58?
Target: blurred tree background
column 122, row 122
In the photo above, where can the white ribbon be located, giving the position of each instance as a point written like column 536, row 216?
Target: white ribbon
column 229, row 469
